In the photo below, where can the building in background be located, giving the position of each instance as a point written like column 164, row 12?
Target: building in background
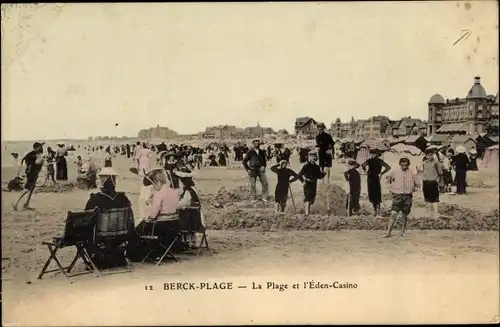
column 306, row 127
column 219, row 132
column 374, row 127
column 471, row 115
column 407, row 126
column 157, row 133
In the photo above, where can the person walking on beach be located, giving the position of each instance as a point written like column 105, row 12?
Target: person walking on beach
column 61, row 164
column 144, row 157
column 255, row 165
column 403, row 184
column 34, row 163
column 375, row 172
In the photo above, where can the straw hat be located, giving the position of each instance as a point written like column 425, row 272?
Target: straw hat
column 460, row 149
column 148, row 179
column 282, row 162
column 107, row 171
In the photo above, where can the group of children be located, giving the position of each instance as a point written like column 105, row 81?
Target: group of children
column 309, row 176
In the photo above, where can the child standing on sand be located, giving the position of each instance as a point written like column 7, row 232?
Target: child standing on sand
column 353, row 177
column 309, row 175
column 285, row 177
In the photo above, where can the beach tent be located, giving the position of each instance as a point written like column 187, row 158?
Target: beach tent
column 468, row 142
column 490, row 158
column 374, row 144
column 406, row 149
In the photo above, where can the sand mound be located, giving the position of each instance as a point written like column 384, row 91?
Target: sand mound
column 59, row 187
column 224, row 196
column 330, row 196
column 480, row 184
column 234, row 218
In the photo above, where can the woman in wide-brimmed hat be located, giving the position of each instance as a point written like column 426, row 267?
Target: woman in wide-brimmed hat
column 107, row 197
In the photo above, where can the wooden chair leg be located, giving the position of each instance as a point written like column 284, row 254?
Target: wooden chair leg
column 88, row 260
column 167, row 251
column 75, row 259
column 53, row 251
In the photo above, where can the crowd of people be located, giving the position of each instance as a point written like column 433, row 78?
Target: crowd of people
column 176, row 162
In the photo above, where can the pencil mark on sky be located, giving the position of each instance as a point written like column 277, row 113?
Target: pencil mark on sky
column 465, row 34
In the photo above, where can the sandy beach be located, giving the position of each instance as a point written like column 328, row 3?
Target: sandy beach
column 450, row 275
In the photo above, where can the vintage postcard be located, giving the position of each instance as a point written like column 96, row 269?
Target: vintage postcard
column 250, row 163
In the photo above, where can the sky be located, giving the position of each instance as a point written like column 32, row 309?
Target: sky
column 73, row 71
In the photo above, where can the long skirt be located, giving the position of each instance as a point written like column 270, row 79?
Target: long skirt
column 461, row 180
column 374, row 190
column 61, row 169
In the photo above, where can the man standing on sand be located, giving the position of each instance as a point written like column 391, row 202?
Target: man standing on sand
column 403, row 183
column 255, row 165
column 324, row 143
column 34, row 164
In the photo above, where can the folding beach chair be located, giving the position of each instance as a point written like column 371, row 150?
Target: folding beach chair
column 113, row 230
column 155, row 234
column 78, row 232
column 191, row 223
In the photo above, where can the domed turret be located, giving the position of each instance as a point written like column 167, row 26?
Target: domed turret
column 477, row 90
column 437, row 99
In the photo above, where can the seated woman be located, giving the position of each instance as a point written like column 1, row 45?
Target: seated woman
column 87, row 175
column 108, row 198
column 190, row 200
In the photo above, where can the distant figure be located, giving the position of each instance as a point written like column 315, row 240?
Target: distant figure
column 127, row 150
column 473, row 160
column 461, row 163
column 375, row 165
column 34, row 164
column 222, row 159
column 144, row 156
column 50, row 160
column 61, row 164
column 353, row 177
column 108, row 158
column 324, row 143
column 15, row 161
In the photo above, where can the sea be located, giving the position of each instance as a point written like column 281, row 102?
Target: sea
column 23, row 147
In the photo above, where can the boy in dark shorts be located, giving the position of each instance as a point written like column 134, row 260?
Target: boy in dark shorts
column 309, row 175
column 34, row 163
column 403, row 183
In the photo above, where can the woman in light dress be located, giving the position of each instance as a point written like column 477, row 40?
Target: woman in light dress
column 144, row 158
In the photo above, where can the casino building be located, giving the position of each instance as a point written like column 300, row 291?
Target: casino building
column 475, row 114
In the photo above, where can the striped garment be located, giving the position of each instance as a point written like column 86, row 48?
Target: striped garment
column 402, row 181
